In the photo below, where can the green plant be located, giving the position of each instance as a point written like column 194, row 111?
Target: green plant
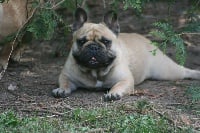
column 44, row 21
column 9, row 119
column 71, row 4
column 10, row 122
column 193, row 92
column 142, row 106
column 137, row 5
column 165, row 32
column 1, row 1
column 171, row 36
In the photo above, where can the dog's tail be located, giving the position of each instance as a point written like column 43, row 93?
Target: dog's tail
column 163, row 68
column 191, row 74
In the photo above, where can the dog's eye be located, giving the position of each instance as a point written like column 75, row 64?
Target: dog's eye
column 105, row 41
column 81, row 41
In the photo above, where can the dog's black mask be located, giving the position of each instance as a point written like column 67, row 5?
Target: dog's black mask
column 94, row 56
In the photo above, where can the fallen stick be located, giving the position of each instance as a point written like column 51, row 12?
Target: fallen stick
column 42, row 111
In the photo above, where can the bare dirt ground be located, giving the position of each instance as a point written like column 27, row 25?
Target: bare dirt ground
column 36, row 75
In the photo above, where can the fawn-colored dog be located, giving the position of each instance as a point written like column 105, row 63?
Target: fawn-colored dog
column 13, row 14
column 101, row 57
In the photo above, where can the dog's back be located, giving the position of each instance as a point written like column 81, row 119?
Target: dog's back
column 146, row 65
column 12, row 15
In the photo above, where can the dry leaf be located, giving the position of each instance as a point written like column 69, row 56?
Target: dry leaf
column 185, row 119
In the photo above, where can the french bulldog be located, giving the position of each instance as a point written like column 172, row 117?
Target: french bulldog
column 102, row 57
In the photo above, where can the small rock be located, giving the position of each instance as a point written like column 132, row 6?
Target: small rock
column 12, row 87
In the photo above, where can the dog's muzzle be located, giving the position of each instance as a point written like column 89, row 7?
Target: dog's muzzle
column 94, row 56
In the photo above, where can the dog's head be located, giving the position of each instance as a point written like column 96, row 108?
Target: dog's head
column 93, row 43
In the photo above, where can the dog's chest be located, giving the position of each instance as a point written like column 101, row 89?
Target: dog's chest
column 95, row 76
column 99, row 84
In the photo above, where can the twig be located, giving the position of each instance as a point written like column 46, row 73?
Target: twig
column 171, row 104
column 189, row 33
column 68, row 107
column 104, row 3
column 165, row 117
column 83, row 3
column 97, row 130
column 22, row 97
column 48, row 83
column 76, row 3
column 54, row 7
column 10, row 104
column 188, row 43
column 43, row 111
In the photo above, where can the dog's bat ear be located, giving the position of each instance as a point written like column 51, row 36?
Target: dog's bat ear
column 111, row 21
column 80, row 18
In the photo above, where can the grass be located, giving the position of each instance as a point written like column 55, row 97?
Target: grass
column 193, row 93
column 11, row 123
column 108, row 119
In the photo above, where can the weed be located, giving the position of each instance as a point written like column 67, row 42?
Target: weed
column 194, row 93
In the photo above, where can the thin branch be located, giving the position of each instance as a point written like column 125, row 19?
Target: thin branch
column 56, row 6
column 83, row 3
column 165, row 117
column 76, row 3
column 189, row 33
column 104, row 3
column 173, row 104
column 42, row 111
column 97, row 130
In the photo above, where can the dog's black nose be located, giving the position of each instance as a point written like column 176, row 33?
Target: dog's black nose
column 94, row 48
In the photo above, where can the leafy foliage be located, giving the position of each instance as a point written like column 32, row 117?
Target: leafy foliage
column 71, row 4
column 166, row 33
column 192, row 27
column 193, row 18
column 44, row 23
column 9, row 119
column 1, row 1
column 137, row 5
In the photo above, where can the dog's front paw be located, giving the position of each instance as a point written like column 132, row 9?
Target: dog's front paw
column 61, row 93
column 111, row 97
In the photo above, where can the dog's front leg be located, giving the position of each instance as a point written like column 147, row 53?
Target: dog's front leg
column 121, row 88
column 65, row 87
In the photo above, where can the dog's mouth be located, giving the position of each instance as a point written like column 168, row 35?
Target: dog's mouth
column 94, row 57
column 93, row 61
